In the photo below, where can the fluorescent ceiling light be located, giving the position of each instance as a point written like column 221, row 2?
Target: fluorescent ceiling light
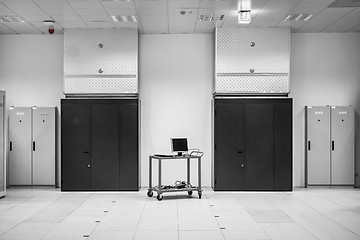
column 206, row 18
column 130, row 18
column 299, row 17
column 10, row 19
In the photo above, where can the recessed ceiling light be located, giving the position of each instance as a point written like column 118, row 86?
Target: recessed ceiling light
column 299, row 17
column 129, row 18
column 206, row 18
column 9, row 19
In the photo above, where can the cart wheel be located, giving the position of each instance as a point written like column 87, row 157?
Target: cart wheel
column 200, row 193
column 150, row 193
column 160, row 197
column 190, row 193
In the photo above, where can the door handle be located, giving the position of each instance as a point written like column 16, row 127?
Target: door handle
column 10, row 146
column 239, row 152
column 333, row 145
column 86, row 152
column 34, row 146
column 309, row 145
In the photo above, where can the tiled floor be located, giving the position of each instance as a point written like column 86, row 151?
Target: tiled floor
column 49, row 214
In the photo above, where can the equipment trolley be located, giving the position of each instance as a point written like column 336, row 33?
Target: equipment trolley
column 160, row 190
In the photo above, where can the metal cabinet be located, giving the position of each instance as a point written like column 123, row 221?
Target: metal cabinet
column 252, row 144
column 2, row 144
column 32, row 145
column 99, row 144
column 329, row 145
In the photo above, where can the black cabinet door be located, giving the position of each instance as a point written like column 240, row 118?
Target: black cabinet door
column 75, row 145
column 259, row 146
column 229, row 146
column 128, row 127
column 104, row 147
column 283, row 146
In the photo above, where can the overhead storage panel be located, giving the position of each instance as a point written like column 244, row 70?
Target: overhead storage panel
column 101, row 62
column 252, row 61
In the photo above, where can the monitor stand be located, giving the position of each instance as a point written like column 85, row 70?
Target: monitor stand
column 179, row 154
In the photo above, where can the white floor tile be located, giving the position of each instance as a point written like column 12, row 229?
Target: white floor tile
column 197, row 235
column 306, row 214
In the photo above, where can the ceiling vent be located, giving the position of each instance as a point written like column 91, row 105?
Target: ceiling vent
column 345, row 3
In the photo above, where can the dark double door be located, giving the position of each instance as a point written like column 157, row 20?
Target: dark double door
column 99, row 145
column 253, row 144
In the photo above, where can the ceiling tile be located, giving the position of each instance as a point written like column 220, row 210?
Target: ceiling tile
column 345, row 23
column 217, row 4
column 85, row 4
column 180, row 4
column 126, row 24
column 121, row 12
column 94, row 18
column 153, row 12
column 100, row 24
column 91, row 12
column 174, row 14
column 5, row 30
column 118, row 5
column 46, row 4
column 73, row 24
column 324, row 19
column 156, row 4
column 5, row 11
column 23, row 28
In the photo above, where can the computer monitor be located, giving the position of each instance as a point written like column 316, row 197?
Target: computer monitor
column 179, row 145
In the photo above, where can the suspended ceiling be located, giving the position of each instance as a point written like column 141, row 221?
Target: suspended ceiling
column 177, row 16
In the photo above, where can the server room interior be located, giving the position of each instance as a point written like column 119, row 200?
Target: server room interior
column 180, row 110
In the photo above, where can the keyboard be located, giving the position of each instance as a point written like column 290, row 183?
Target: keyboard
column 164, row 155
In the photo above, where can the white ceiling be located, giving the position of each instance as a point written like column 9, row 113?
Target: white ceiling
column 163, row 16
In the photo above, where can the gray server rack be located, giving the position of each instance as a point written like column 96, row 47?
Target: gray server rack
column 317, row 145
column 32, row 146
column 43, row 127
column 2, row 145
column 329, row 145
column 20, row 146
column 342, row 145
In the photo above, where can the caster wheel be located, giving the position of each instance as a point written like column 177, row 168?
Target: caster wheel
column 160, row 197
column 150, row 193
column 200, row 193
column 190, row 193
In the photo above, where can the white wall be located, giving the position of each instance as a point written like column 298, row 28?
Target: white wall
column 176, row 77
column 31, row 70
column 176, row 74
column 325, row 70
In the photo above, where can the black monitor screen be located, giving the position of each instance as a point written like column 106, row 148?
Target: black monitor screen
column 179, row 144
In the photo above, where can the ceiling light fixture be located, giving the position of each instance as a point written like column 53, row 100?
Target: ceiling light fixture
column 131, row 18
column 299, row 17
column 244, row 14
column 206, row 18
column 9, row 19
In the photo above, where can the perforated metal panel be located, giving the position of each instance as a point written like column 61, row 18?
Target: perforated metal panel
column 252, row 60
column 100, row 61
column 252, row 84
column 100, row 85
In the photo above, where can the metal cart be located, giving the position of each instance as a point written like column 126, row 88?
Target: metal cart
column 160, row 190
